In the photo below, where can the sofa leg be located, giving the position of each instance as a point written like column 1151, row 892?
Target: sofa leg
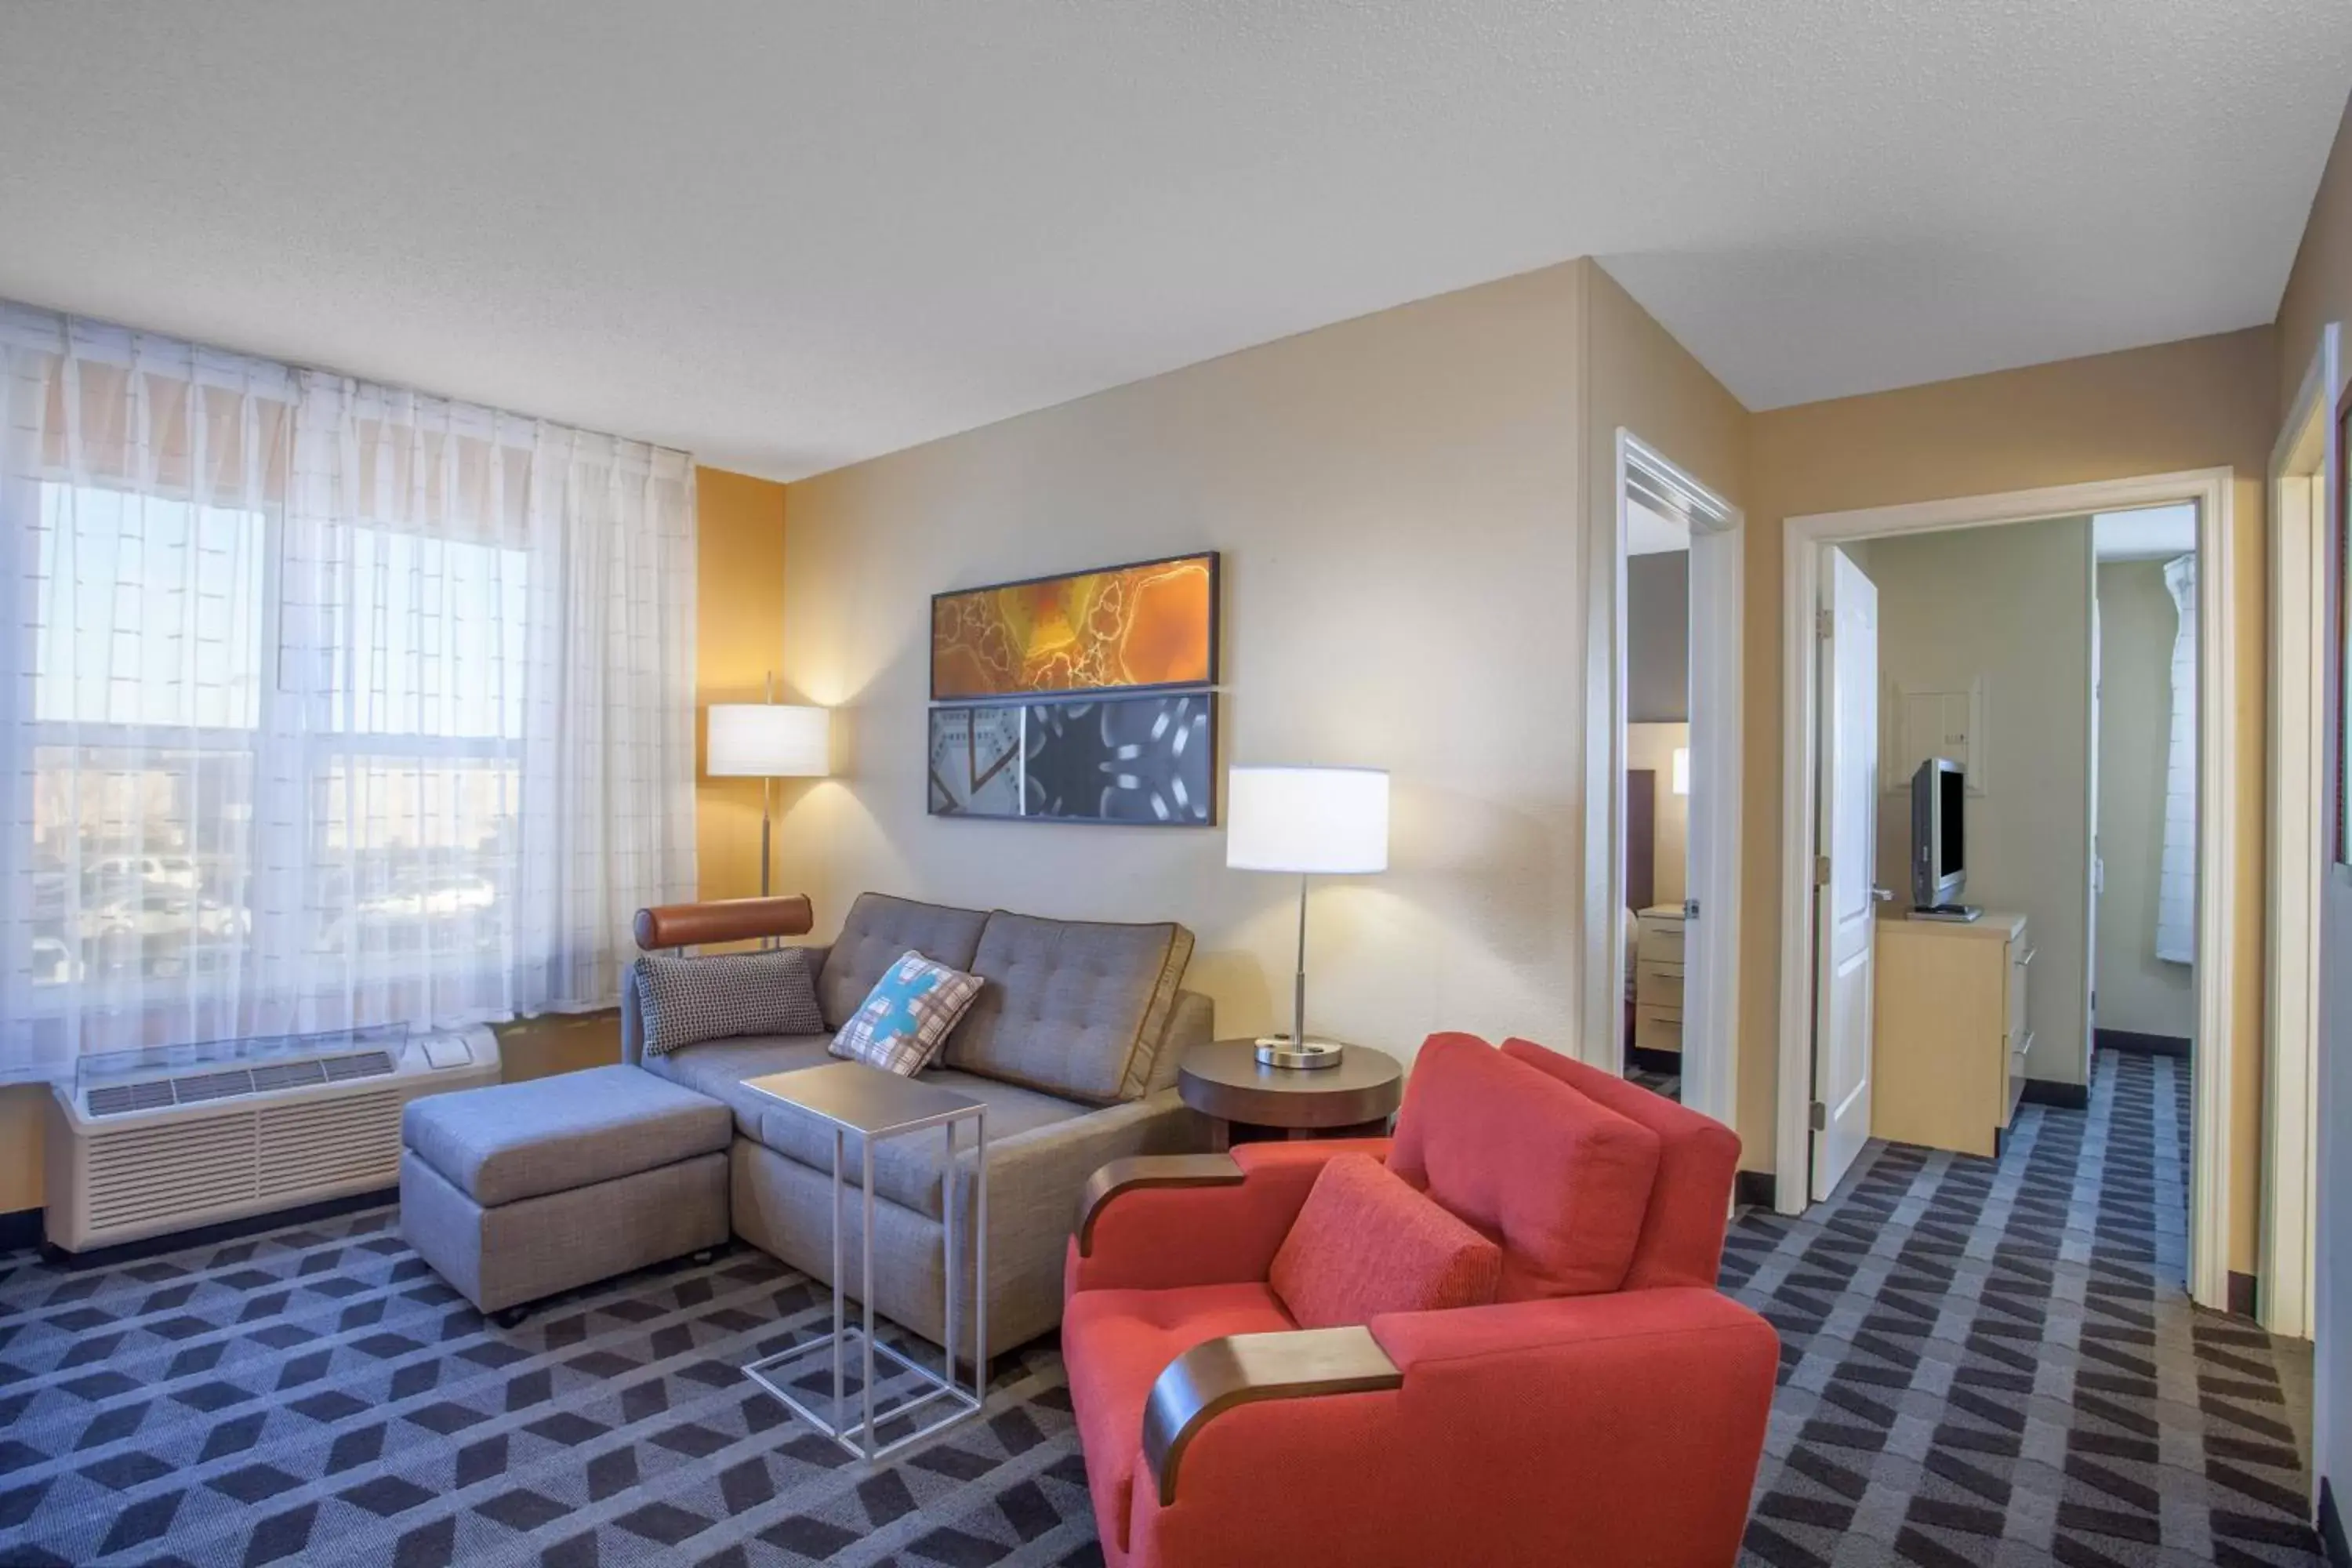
column 512, row 1317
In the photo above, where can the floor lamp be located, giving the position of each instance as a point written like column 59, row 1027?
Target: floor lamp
column 769, row 740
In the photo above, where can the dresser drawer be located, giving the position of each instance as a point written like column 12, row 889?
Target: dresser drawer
column 1659, row 986
column 1662, row 941
column 1655, row 1031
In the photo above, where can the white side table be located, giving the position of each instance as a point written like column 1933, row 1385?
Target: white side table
column 873, row 1104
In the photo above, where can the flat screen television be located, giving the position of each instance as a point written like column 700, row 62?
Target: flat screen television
column 1940, row 864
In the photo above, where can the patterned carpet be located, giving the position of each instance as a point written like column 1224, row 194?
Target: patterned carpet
column 1996, row 1363
column 1983, row 1366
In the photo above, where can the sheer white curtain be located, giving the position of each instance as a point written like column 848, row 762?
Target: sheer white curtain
column 2176, row 891
column 330, row 705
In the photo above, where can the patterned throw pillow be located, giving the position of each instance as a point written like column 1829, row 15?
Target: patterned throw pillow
column 905, row 1018
column 723, row 995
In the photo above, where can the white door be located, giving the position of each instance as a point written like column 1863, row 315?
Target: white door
column 1710, row 931
column 1845, row 905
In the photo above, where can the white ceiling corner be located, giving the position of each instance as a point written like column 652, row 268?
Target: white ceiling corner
column 788, row 236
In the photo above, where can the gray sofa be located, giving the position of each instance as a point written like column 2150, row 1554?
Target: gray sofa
column 1072, row 1044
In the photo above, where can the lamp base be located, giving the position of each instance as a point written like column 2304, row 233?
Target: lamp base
column 1283, row 1051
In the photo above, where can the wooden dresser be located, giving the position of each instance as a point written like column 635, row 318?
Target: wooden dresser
column 1658, row 979
column 1949, row 1040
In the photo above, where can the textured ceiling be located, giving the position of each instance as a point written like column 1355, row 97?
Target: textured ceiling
column 788, row 236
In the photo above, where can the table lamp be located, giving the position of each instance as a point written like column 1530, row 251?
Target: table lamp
column 1328, row 822
column 769, row 740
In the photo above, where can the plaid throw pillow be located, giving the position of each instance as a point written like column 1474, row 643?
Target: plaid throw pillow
column 714, row 998
column 905, row 1018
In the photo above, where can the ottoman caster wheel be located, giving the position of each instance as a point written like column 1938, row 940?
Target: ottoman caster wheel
column 512, row 1318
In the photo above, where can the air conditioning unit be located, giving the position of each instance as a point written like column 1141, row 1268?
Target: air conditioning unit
column 137, row 1149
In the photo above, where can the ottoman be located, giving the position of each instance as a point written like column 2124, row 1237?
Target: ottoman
column 520, row 1189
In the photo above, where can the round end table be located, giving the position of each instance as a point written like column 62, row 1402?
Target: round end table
column 1223, row 1083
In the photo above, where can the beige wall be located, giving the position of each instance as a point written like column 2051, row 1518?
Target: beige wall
column 2137, row 990
column 2199, row 404
column 1396, row 499
column 1639, row 379
column 2319, row 289
column 2009, row 606
column 1653, row 746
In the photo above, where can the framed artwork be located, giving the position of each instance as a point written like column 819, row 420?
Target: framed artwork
column 1146, row 760
column 1149, row 625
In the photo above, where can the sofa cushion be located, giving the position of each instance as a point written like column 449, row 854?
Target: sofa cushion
column 717, row 996
column 905, row 1019
column 879, row 929
column 1115, row 1344
column 515, row 1141
column 1074, row 1008
column 1698, row 1163
column 1560, row 1181
column 1366, row 1243
column 718, row 1068
column 908, row 1169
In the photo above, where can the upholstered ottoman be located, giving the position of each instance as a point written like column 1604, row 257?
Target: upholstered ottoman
column 520, row 1189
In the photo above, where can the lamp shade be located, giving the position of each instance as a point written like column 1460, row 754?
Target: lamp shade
column 1328, row 821
column 769, row 740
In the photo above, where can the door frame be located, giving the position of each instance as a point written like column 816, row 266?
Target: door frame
column 2300, row 510
column 1710, row 1033
column 2217, row 848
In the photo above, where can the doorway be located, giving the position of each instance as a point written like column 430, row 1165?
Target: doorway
column 1661, row 921
column 1817, row 701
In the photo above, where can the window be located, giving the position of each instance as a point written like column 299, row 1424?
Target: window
column 341, row 706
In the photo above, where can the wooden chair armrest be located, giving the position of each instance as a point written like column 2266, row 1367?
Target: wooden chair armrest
column 1140, row 1171
column 723, row 919
column 1245, row 1369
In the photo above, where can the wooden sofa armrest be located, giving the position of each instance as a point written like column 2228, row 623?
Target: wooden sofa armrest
column 1138, row 1172
column 1247, row 1369
column 723, row 919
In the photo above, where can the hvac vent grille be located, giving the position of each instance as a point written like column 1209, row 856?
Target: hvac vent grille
column 353, row 1140
column 116, row 1098
column 142, row 1174
column 360, row 1064
column 198, row 1088
column 227, row 1083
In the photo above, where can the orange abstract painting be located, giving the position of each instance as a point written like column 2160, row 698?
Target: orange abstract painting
column 1154, row 624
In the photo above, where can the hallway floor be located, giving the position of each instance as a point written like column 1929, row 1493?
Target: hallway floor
column 1996, row 1363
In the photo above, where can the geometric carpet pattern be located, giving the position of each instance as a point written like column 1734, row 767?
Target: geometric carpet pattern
column 1997, row 1363
column 1981, row 1363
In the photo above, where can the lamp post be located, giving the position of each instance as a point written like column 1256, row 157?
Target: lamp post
column 1331, row 822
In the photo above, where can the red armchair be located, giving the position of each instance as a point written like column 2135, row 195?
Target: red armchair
column 1609, row 1408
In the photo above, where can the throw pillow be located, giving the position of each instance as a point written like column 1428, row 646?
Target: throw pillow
column 682, row 1001
column 1366, row 1243
column 905, row 1018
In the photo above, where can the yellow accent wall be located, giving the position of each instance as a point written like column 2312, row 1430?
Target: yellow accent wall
column 740, row 641
column 738, row 637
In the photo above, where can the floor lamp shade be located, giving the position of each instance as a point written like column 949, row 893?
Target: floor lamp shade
column 769, row 740
column 1327, row 822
